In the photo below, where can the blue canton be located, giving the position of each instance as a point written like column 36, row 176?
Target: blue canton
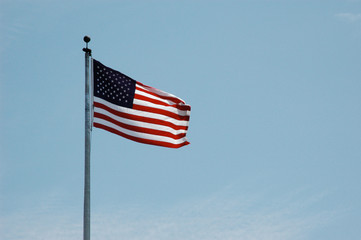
column 113, row 86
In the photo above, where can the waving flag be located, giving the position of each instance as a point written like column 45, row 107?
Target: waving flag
column 136, row 111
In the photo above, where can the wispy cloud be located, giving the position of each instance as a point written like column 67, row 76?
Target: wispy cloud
column 215, row 217
column 9, row 33
column 351, row 17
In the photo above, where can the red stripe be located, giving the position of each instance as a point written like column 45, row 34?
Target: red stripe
column 140, row 129
column 147, row 99
column 160, row 111
column 140, row 140
column 139, row 118
column 173, row 99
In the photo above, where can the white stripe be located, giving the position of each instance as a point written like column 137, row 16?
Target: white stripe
column 138, row 123
column 141, row 113
column 139, row 135
column 168, row 109
column 159, row 92
column 154, row 97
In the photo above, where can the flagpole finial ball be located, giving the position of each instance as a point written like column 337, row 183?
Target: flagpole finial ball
column 86, row 39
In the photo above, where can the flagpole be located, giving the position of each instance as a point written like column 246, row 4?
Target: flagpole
column 86, row 219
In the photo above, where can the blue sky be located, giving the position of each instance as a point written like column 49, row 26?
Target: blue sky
column 275, row 128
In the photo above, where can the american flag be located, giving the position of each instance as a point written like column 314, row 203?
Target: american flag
column 137, row 112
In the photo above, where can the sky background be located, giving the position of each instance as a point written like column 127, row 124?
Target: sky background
column 275, row 126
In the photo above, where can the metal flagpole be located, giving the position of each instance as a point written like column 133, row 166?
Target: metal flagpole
column 86, row 219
